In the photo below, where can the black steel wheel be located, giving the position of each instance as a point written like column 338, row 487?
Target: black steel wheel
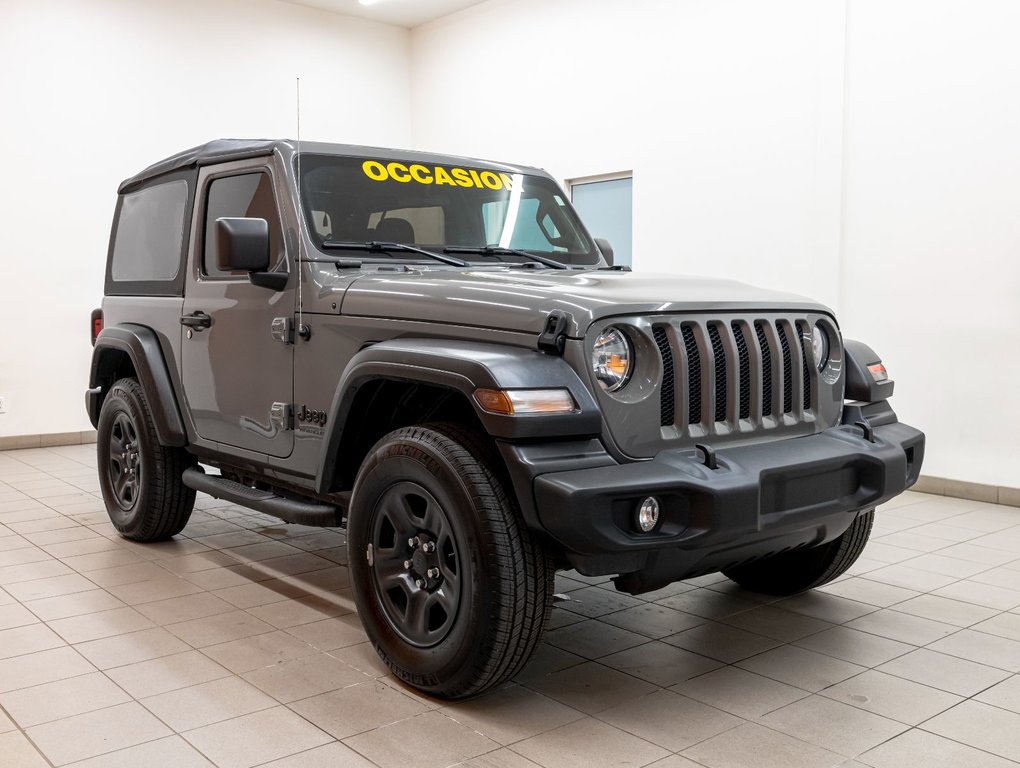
column 452, row 588
column 140, row 479
column 804, row 569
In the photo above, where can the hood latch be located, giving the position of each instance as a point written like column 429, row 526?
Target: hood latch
column 553, row 338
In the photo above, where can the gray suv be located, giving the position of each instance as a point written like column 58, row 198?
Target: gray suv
column 433, row 352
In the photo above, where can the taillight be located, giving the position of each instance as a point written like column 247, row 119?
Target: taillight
column 97, row 324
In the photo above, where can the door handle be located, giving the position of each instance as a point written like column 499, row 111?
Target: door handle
column 197, row 320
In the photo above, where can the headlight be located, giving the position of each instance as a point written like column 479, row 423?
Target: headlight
column 820, row 345
column 611, row 359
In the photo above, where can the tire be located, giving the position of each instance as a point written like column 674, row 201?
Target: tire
column 454, row 591
column 140, row 479
column 794, row 572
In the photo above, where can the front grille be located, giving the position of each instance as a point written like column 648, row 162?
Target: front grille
column 755, row 372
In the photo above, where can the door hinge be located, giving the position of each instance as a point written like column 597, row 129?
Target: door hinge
column 281, row 416
column 283, row 329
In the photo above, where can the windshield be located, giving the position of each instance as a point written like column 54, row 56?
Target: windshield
column 358, row 200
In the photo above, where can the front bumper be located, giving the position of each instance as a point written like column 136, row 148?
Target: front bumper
column 761, row 499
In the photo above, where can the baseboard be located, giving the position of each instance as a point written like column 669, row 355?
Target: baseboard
column 960, row 489
column 51, row 440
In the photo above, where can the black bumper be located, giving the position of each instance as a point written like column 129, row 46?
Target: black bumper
column 761, row 499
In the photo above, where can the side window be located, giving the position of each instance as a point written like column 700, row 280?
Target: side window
column 248, row 196
column 150, row 232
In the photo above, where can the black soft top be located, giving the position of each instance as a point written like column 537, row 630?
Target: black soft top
column 224, row 150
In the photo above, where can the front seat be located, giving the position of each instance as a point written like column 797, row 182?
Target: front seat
column 394, row 231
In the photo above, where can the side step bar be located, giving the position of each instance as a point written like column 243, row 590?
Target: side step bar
column 288, row 510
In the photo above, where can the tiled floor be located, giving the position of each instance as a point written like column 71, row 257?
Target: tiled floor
column 238, row 645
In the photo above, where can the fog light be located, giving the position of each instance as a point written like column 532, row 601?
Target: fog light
column 648, row 514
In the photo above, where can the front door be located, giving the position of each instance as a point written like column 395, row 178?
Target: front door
column 233, row 370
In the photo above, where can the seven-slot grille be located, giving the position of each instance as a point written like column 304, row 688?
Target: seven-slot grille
column 723, row 371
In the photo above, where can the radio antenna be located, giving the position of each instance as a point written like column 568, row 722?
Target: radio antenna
column 301, row 330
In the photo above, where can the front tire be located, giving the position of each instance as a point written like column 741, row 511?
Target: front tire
column 452, row 588
column 140, row 479
column 805, row 569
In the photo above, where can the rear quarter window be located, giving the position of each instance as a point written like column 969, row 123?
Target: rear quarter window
column 149, row 239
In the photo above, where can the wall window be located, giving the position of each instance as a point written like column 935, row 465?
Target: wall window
column 605, row 205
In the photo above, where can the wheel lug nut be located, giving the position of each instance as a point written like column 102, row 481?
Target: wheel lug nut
column 407, row 563
column 420, row 583
column 412, row 542
column 433, row 573
column 429, row 547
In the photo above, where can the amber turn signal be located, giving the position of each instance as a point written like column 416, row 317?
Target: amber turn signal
column 522, row 402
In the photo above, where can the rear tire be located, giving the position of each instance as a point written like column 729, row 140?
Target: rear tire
column 805, row 569
column 140, row 478
column 453, row 589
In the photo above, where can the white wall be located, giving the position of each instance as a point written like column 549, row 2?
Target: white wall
column 895, row 200
column 91, row 92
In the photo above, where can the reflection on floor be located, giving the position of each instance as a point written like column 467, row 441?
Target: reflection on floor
column 237, row 645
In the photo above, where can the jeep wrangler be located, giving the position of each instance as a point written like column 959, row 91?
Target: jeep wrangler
column 434, row 353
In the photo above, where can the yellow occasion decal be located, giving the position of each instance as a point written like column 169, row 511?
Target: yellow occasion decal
column 435, row 174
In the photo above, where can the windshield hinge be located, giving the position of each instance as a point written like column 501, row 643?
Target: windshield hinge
column 553, row 339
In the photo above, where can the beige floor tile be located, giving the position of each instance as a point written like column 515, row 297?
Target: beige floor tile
column 1005, row 625
column 131, row 648
column 252, row 594
column 220, row 628
column 27, row 639
column 75, row 604
column 499, row 758
column 903, row 627
column 892, row 697
column 99, row 560
column 256, row 738
column 93, row 626
column 1005, row 695
column 740, row 692
column 201, row 561
column 206, row 703
column 42, row 667
column 11, row 575
column 363, row 657
column 589, row 743
column 753, row 745
column 721, row 642
column 331, row 634
column 982, row 726
column 127, row 574
column 948, row 566
column 919, row 748
column 590, row 687
column 358, row 708
column 770, row 621
column 333, row 755
column 96, row 733
column 831, row 608
column 669, row 720
column 185, row 608
column 1000, row 598
column 854, row 646
column 593, row 639
column 983, row 648
column 259, row 651
column 430, row 740
column 801, row 668
column 512, row 713
column 947, row 673
column 303, row 677
column 18, row 752
column 708, row 604
column 6, row 724
column 169, row 673
column 168, row 752
column 14, row 615
column 652, row 620
column 52, row 586
column 592, row 602
column 866, row 591
column 226, row 577
column 290, row 565
column 22, row 555
column 150, row 591
column 296, row 611
column 902, row 575
column 67, row 550
column 833, row 725
column 61, row 699
column 265, row 550
column 660, row 664
column 942, row 609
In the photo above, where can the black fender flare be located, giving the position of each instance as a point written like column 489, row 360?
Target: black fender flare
column 142, row 347
column 464, row 366
column 860, row 384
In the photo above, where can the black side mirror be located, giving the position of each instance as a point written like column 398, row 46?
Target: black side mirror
column 243, row 244
column 606, row 248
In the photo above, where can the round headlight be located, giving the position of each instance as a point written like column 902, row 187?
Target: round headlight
column 611, row 359
column 820, row 346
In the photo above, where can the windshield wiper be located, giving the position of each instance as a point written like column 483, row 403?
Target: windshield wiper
column 496, row 250
column 373, row 246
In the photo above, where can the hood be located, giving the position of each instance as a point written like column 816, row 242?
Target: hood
column 519, row 301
